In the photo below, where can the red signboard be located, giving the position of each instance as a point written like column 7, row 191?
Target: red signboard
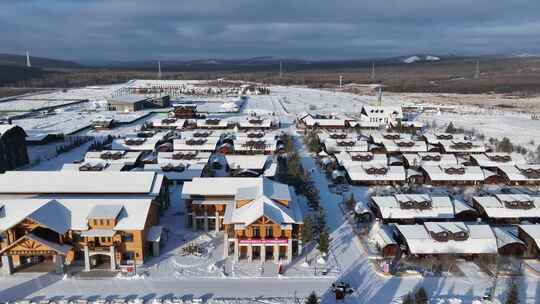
column 263, row 242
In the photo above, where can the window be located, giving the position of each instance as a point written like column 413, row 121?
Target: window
column 127, row 237
column 269, row 232
column 256, row 232
column 128, row 255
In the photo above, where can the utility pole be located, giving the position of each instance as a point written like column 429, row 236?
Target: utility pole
column 379, row 98
column 372, row 76
column 28, row 64
column 477, row 71
column 159, row 69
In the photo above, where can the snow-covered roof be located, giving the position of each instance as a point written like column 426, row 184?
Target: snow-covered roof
column 505, row 237
column 455, row 238
column 64, row 213
column 376, row 172
column 6, row 127
column 532, row 231
column 186, row 157
column 113, row 157
column 255, row 144
column 454, row 173
column 206, row 123
column 75, row 182
column 229, row 186
column 252, row 162
column 310, row 121
column 497, row 159
column 105, row 212
column 195, row 144
column 250, row 123
column 430, row 159
column 176, row 171
column 510, row 205
column 271, row 171
column 134, row 143
column 346, row 159
column 397, row 206
column 154, row 234
column 349, row 145
column 259, row 207
column 404, row 145
column 173, row 123
column 521, row 172
column 202, row 133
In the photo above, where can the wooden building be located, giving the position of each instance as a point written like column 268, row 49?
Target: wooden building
column 54, row 233
column 508, row 208
column 13, row 152
column 448, row 238
column 260, row 218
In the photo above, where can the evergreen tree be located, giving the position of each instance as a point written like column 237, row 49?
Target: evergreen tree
column 307, row 230
column 450, row 128
column 312, row 298
column 324, row 241
column 505, row 145
column 408, row 299
column 513, row 294
column 421, row 296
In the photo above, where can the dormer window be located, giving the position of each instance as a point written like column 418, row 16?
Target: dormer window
column 362, row 157
column 344, row 143
column 376, row 171
column 195, row 142
column 431, row 157
column 168, row 120
column 213, row 121
column 201, row 134
column 392, row 136
column 405, row 143
column 500, row 158
column 462, row 145
column 135, row 141
column 444, row 136
column 455, row 170
column 145, row 134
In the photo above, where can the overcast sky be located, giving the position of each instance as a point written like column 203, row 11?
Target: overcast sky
column 109, row 30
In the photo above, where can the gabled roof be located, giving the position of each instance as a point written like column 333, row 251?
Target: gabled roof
column 105, row 212
column 63, row 213
column 262, row 206
column 75, row 182
column 480, row 240
column 62, row 249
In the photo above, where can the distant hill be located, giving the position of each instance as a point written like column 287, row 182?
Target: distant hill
column 11, row 74
column 37, row 62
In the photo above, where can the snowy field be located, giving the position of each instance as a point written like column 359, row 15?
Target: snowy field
column 213, row 279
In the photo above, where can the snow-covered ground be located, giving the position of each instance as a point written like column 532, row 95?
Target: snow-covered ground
column 210, row 276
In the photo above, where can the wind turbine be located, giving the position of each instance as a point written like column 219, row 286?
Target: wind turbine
column 28, row 64
column 159, row 69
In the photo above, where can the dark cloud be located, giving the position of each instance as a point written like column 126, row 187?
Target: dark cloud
column 137, row 29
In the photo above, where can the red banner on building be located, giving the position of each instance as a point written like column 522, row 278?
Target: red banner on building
column 263, row 242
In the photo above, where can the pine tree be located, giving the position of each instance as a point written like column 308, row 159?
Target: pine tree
column 408, row 299
column 450, row 128
column 513, row 294
column 312, row 298
column 324, row 241
column 421, row 296
column 307, row 230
